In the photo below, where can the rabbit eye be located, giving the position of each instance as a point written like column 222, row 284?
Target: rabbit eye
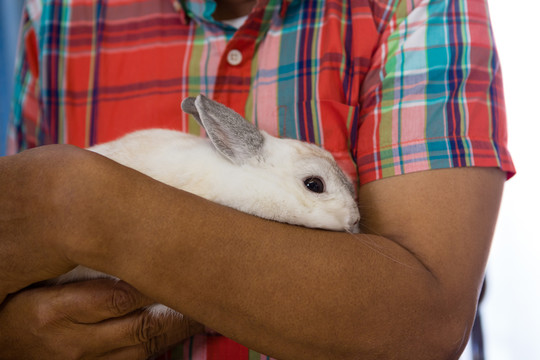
column 314, row 184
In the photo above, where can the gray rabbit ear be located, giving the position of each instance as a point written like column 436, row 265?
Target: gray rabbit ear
column 188, row 106
column 232, row 135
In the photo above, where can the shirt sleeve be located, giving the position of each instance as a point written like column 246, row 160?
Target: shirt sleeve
column 433, row 97
column 25, row 130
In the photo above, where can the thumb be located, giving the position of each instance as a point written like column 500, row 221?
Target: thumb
column 93, row 301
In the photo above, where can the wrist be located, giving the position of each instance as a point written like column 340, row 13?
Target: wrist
column 81, row 199
column 38, row 215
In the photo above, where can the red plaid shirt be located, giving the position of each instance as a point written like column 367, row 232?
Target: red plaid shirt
column 389, row 87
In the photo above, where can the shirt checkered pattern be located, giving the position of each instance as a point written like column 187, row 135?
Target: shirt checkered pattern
column 388, row 86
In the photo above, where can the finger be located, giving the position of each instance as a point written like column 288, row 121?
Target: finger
column 128, row 353
column 155, row 332
column 138, row 352
column 93, row 301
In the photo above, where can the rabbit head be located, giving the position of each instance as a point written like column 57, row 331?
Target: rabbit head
column 279, row 179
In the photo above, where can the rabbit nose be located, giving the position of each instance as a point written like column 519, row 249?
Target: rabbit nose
column 355, row 227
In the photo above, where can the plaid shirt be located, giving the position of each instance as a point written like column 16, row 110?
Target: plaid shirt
column 388, row 86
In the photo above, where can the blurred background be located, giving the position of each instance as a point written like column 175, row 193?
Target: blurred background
column 511, row 310
column 9, row 28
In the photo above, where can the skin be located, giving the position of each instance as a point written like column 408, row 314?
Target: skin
column 232, row 9
column 406, row 290
column 91, row 319
column 26, row 307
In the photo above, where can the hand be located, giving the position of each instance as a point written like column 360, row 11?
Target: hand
column 86, row 320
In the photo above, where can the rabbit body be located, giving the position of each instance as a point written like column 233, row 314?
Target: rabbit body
column 255, row 173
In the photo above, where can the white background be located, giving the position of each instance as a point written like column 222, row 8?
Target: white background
column 511, row 311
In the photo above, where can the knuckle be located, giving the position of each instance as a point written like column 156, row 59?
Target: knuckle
column 148, row 327
column 122, row 300
column 44, row 315
column 151, row 333
column 48, row 327
column 154, row 345
column 163, row 330
column 47, row 314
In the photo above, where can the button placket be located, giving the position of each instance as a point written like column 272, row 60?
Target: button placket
column 231, row 86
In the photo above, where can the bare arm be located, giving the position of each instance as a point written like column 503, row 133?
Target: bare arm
column 299, row 293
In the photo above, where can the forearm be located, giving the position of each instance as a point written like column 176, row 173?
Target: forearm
column 287, row 291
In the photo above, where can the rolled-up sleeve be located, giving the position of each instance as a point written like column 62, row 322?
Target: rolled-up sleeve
column 433, row 97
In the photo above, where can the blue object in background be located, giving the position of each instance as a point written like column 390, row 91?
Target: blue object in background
column 10, row 15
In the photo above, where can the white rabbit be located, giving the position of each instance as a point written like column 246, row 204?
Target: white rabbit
column 241, row 167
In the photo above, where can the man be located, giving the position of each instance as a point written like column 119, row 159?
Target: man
column 390, row 88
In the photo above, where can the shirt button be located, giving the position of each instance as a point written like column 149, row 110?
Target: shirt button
column 234, row 57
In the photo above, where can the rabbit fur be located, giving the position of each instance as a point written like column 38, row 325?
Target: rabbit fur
column 238, row 166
